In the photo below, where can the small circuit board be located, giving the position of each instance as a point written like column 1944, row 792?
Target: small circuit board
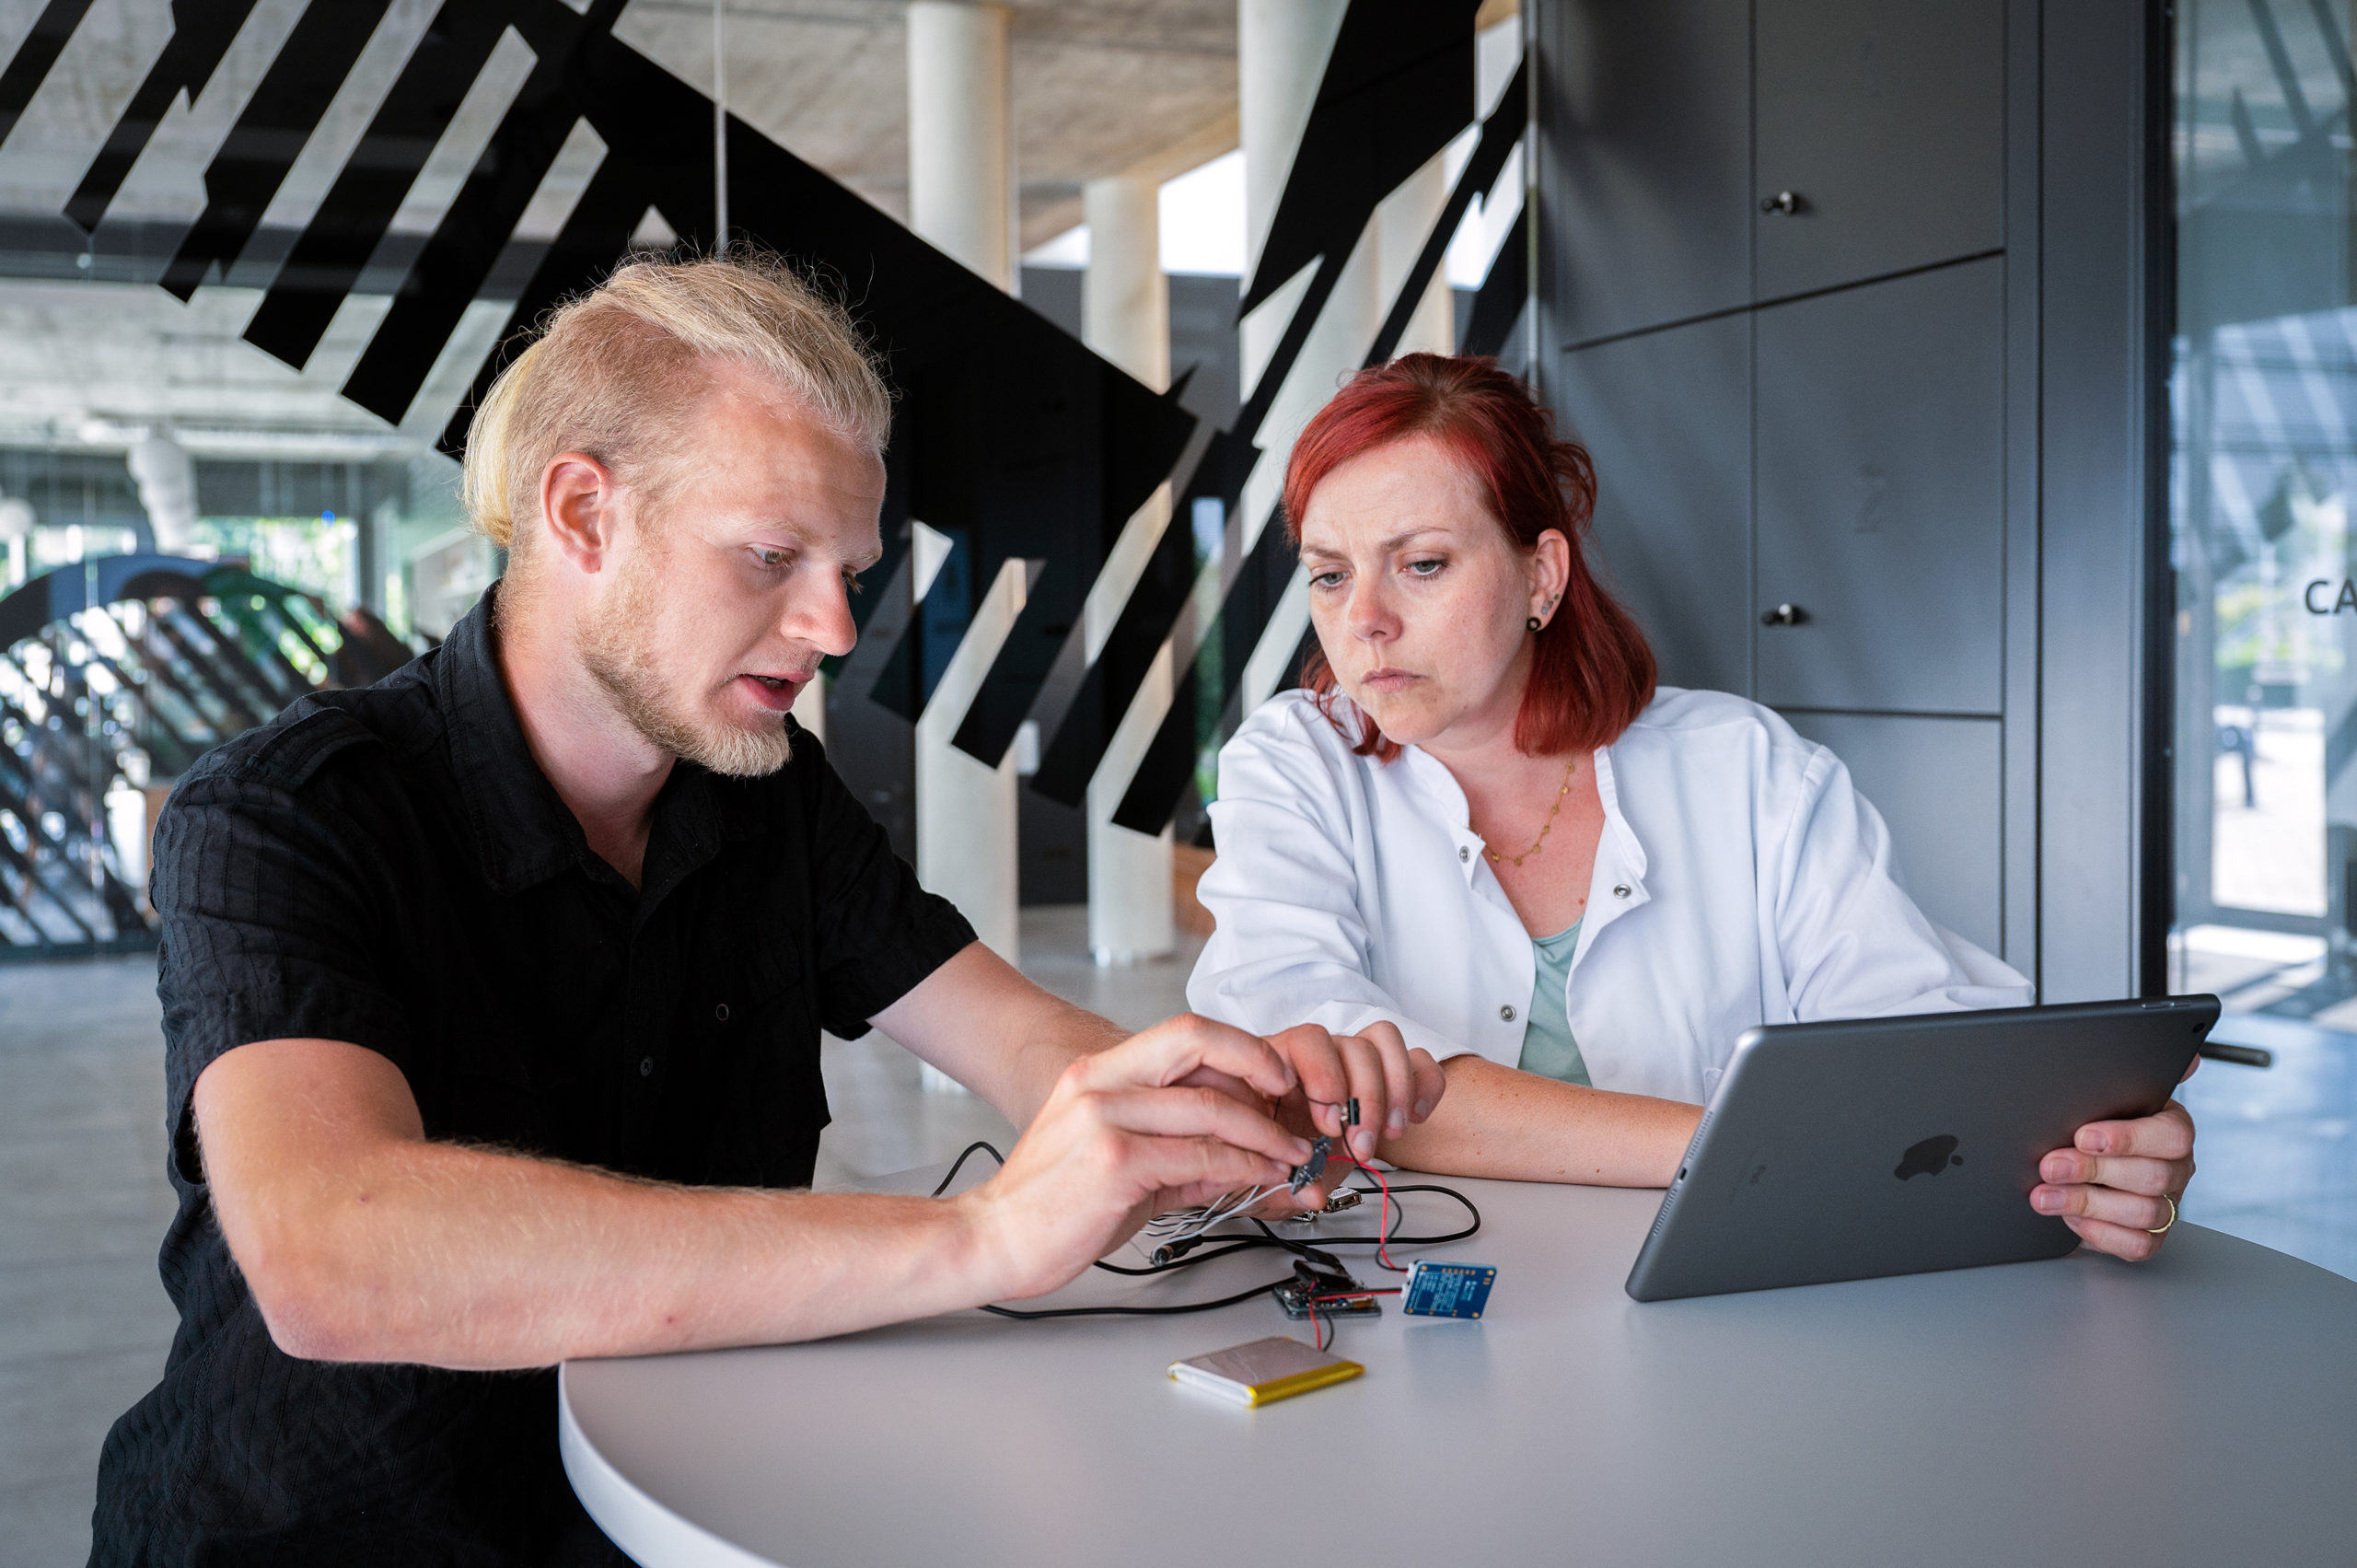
column 1294, row 1297
column 1323, row 1292
column 1446, row 1290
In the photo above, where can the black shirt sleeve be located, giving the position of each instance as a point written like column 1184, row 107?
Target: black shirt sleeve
column 265, row 920
column 878, row 932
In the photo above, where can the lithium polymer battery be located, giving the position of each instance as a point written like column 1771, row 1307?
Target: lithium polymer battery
column 1265, row 1370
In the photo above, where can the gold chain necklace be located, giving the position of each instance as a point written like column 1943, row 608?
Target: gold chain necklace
column 1569, row 768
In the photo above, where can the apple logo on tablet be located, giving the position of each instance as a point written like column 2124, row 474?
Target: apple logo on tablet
column 1929, row 1158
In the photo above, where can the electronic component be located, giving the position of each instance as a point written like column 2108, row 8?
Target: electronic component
column 1337, row 1201
column 1296, row 1299
column 1310, row 1169
column 1446, row 1290
column 1263, row 1371
column 1317, row 1292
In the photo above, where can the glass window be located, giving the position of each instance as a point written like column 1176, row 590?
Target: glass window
column 2263, row 390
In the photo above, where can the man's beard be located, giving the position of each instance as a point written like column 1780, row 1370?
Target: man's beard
column 613, row 646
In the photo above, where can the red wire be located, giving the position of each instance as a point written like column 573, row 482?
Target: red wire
column 1382, row 1216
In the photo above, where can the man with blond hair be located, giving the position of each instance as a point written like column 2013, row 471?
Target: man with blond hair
column 492, row 991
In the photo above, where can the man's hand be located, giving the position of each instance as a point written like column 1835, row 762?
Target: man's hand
column 2120, row 1182
column 1124, row 1136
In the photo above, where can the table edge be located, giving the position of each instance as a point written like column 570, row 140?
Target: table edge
column 643, row 1527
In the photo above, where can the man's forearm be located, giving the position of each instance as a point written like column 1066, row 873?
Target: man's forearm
column 978, row 1020
column 1496, row 1121
column 460, row 1257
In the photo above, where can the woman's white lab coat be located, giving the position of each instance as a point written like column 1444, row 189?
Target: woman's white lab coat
column 1739, row 880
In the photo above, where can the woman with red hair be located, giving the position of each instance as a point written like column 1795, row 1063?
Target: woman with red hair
column 1483, row 831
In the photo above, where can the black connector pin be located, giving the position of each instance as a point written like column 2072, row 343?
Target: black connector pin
column 1308, row 1170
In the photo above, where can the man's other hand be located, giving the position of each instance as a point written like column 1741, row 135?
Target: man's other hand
column 1123, row 1136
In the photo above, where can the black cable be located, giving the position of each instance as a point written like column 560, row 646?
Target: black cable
column 1229, row 1247
column 1398, row 1239
column 1140, row 1311
column 1232, row 1245
column 960, row 1163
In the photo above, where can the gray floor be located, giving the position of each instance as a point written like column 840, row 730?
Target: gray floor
column 83, row 1323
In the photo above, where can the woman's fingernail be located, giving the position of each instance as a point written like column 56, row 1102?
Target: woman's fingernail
column 2046, row 1199
column 1424, row 1108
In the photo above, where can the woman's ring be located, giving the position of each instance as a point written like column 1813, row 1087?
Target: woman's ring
column 2157, row 1229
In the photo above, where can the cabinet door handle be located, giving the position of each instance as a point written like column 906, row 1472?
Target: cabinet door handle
column 1784, row 615
column 1784, row 201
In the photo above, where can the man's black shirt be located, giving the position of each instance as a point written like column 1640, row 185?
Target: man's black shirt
column 389, row 867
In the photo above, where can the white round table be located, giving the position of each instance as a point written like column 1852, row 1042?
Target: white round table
column 2198, row 1410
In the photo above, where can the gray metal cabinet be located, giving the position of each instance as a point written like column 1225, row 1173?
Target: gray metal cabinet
column 1885, row 120
column 1667, row 419
column 1881, row 496
column 1937, row 784
column 1647, row 143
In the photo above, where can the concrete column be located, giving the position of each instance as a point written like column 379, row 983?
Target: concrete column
column 810, row 707
column 1402, row 224
column 961, row 199
column 1125, row 302
column 1281, row 47
column 1125, row 316
column 966, row 842
column 960, row 155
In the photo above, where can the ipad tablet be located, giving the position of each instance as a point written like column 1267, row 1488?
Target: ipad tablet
column 1873, row 1147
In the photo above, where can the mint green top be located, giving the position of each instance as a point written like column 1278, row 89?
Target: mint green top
column 1548, row 1047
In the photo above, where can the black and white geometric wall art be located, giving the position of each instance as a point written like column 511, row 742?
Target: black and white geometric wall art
column 1011, row 439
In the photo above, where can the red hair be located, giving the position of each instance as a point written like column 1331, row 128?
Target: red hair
column 1593, row 671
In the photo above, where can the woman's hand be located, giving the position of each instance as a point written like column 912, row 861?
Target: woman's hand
column 2118, row 1185
column 1395, row 1087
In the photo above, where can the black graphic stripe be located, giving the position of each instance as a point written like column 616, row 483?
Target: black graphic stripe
column 450, row 268
column 34, row 57
column 1169, row 761
column 1500, row 132
column 1499, row 304
column 201, row 33
column 252, row 164
column 359, row 207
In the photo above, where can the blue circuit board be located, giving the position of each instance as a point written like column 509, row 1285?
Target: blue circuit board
column 1446, row 1290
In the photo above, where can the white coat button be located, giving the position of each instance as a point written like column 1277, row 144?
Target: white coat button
column 1463, row 854
column 1620, row 890
column 1507, row 1013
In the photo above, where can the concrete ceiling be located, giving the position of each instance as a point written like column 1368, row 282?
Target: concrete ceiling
column 1096, row 85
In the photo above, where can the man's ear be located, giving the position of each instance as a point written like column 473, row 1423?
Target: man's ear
column 580, row 509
